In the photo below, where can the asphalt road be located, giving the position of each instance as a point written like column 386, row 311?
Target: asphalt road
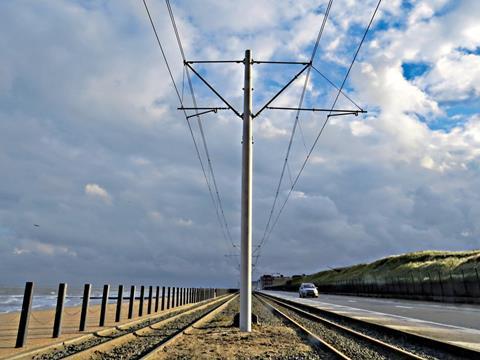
column 457, row 315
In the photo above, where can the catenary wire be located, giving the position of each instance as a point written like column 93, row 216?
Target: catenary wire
column 323, row 126
column 336, row 87
column 187, row 120
column 204, row 141
column 297, row 117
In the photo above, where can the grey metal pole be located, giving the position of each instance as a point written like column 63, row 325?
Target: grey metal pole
column 85, row 300
column 57, row 326
column 246, row 212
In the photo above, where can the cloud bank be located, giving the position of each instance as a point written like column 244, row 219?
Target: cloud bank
column 94, row 151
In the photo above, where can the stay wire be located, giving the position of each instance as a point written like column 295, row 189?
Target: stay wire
column 185, row 114
column 327, row 118
column 207, row 153
column 336, row 87
column 295, row 124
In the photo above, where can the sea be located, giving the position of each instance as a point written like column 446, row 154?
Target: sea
column 11, row 298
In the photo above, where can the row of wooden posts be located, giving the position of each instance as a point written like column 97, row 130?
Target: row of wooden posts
column 170, row 297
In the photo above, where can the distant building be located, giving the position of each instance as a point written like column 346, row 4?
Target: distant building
column 267, row 280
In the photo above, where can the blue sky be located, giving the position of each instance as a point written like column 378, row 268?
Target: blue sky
column 96, row 154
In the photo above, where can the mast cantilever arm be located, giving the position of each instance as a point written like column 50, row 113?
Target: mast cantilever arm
column 282, row 62
column 317, row 109
column 213, row 62
column 214, row 91
column 281, row 90
column 344, row 113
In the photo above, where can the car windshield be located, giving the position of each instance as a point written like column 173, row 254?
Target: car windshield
column 309, row 286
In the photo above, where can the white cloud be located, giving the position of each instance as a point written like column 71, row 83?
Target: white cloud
column 99, row 108
column 266, row 129
column 184, row 222
column 298, row 195
column 156, row 216
column 38, row 248
column 360, row 128
column 455, row 76
column 96, row 191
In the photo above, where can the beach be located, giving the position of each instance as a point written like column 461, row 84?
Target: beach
column 41, row 326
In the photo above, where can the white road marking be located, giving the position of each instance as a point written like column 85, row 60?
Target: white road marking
column 415, row 304
column 403, row 307
column 388, row 315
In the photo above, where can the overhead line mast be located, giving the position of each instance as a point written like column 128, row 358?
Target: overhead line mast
column 247, row 161
column 247, row 146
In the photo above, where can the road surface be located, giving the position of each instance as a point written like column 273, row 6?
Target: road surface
column 456, row 315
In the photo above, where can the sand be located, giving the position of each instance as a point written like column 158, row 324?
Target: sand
column 41, row 326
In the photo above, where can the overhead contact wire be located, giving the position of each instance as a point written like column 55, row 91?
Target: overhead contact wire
column 207, row 153
column 326, row 119
column 185, row 114
column 297, row 117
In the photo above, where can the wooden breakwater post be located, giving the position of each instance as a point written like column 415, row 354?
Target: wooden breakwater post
column 25, row 315
column 173, row 297
column 142, row 296
column 150, row 295
column 118, row 313
column 131, row 302
column 157, row 297
column 57, row 325
column 163, row 298
column 168, row 298
column 103, row 308
column 85, row 300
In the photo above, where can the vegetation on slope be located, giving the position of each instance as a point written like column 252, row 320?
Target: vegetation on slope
column 419, row 264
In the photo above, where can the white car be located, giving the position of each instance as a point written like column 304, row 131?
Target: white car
column 308, row 290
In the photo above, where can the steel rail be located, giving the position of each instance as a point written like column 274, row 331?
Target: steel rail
column 449, row 348
column 113, row 332
column 152, row 354
column 144, row 331
column 379, row 343
column 310, row 336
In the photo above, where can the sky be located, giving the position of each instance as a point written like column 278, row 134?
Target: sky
column 101, row 181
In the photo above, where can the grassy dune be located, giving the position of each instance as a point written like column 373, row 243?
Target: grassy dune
column 419, row 264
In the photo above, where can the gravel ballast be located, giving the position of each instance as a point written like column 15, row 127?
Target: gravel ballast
column 402, row 342
column 147, row 342
column 219, row 339
column 70, row 349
